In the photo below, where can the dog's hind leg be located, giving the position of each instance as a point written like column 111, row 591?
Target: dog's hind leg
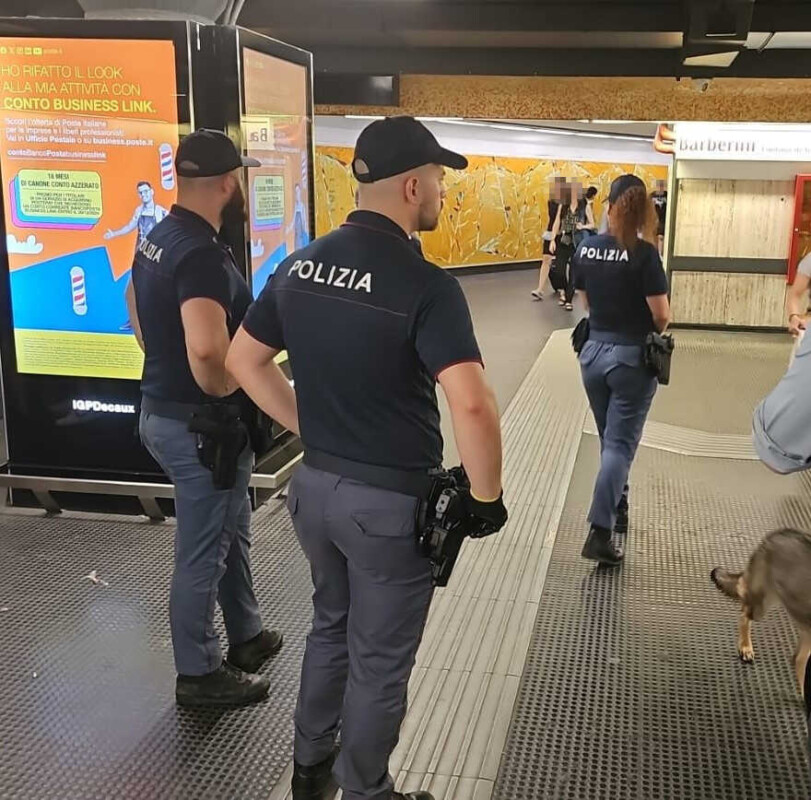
column 745, row 649
column 801, row 657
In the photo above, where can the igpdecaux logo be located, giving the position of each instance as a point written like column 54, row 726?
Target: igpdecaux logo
column 102, row 407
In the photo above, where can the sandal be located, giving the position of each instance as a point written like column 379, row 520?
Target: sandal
column 569, row 307
column 536, row 295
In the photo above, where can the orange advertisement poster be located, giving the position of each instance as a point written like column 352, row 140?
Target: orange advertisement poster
column 88, row 133
column 275, row 127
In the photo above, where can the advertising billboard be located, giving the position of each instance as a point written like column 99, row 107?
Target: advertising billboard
column 88, row 132
column 275, row 128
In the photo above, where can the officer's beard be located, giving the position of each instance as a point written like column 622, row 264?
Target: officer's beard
column 233, row 212
column 428, row 219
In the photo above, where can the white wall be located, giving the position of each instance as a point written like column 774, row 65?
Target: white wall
column 508, row 141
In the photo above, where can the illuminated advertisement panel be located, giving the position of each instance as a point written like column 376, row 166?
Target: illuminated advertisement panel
column 88, row 133
column 275, row 127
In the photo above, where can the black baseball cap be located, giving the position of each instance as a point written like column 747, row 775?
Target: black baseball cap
column 205, row 153
column 395, row 145
column 621, row 185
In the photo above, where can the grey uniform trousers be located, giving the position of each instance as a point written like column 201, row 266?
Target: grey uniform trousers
column 620, row 390
column 371, row 599
column 212, row 548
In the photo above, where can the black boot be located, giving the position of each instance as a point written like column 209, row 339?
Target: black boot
column 600, row 547
column 412, row 796
column 249, row 656
column 226, row 686
column 315, row 782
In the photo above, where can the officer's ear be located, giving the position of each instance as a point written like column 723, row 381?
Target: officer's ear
column 411, row 189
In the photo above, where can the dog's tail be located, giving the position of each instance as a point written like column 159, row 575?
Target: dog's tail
column 727, row 582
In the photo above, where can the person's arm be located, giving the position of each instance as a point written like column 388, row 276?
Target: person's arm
column 797, row 304
column 660, row 310
column 128, row 228
column 654, row 282
column 132, row 310
column 590, row 217
column 251, row 358
column 252, row 365
column 555, row 231
column 206, row 331
column 476, row 427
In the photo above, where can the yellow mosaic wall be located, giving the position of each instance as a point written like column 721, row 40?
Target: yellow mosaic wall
column 495, row 211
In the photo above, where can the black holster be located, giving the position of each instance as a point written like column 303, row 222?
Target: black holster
column 221, row 438
column 443, row 523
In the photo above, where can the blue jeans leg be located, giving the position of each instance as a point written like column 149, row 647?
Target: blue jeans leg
column 211, row 549
column 631, row 390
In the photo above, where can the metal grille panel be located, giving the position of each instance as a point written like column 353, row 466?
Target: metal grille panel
column 88, row 681
column 632, row 689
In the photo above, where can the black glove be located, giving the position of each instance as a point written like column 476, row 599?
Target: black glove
column 488, row 517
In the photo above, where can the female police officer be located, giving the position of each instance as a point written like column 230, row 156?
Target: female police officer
column 621, row 281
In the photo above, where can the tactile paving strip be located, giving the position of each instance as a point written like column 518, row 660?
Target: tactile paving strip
column 632, row 689
column 86, row 672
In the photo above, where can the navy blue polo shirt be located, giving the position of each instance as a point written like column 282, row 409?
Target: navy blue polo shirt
column 369, row 325
column 617, row 283
column 181, row 258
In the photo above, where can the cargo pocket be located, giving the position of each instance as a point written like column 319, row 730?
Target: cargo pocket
column 588, row 353
column 629, row 355
column 391, row 523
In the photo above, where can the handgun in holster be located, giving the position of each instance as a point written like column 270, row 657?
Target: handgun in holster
column 445, row 523
column 221, row 438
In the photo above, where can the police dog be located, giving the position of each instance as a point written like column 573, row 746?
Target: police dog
column 780, row 568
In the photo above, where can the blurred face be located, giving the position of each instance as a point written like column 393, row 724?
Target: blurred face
column 145, row 193
column 661, row 186
column 557, row 188
column 429, row 195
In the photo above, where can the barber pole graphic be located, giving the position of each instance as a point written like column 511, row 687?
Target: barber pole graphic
column 78, row 291
column 167, row 167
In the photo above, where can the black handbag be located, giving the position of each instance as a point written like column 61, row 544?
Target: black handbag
column 580, row 334
column 658, row 355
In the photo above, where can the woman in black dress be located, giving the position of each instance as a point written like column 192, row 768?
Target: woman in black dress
column 562, row 244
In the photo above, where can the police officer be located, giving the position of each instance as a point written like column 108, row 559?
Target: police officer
column 189, row 300
column 621, row 281
column 370, row 327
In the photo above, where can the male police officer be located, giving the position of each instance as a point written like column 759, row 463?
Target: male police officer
column 190, row 299
column 370, row 327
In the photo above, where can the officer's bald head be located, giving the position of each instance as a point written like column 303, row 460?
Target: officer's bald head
column 412, row 199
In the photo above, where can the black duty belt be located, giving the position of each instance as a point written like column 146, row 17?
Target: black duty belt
column 415, row 483
column 614, row 337
column 179, row 411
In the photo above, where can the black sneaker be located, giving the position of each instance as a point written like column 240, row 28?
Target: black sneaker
column 412, row 796
column 226, row 686
column 251, row 655
column 315, row 782
column 600, row 547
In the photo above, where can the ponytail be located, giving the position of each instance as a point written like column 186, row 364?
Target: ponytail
column 633, row 213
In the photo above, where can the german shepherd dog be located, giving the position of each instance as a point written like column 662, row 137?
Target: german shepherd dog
column 780, row 568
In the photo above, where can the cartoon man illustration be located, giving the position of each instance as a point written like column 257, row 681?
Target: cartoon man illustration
column 145, row 217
